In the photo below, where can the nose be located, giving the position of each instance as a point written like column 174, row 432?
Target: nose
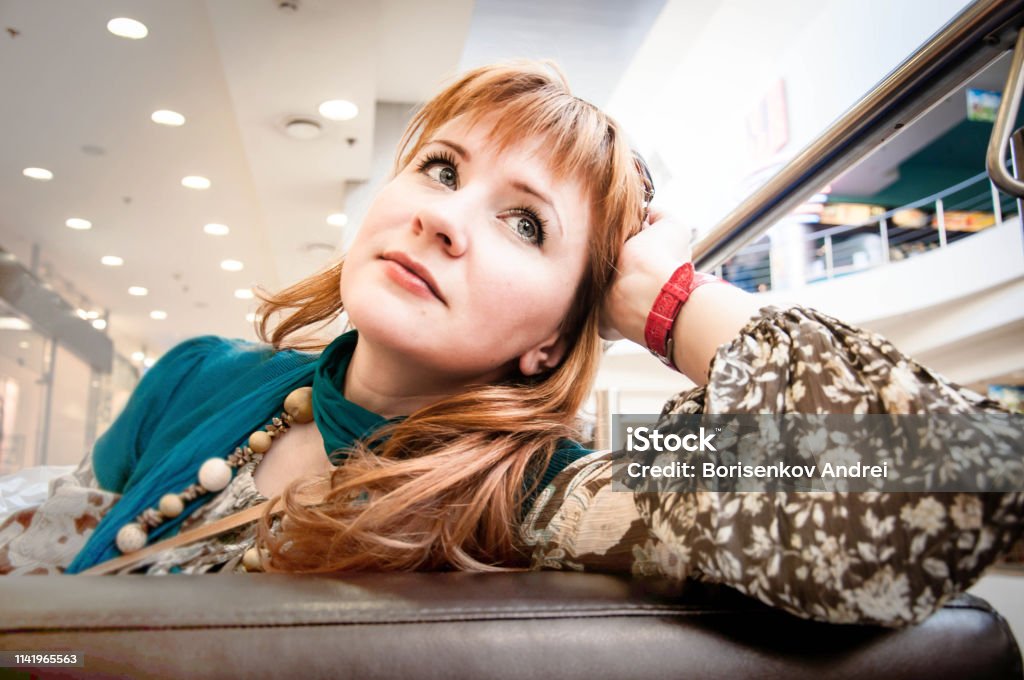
column 444, row 220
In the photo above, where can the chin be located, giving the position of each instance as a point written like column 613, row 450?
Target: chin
column 384, row 323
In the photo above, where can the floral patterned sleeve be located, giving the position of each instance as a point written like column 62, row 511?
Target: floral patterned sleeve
column 43, row 539
column 888, row 558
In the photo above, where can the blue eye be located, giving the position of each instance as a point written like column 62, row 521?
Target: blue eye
column 527, row 225
column 441, row 168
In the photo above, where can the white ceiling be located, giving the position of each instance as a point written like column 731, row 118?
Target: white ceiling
column 76, row 100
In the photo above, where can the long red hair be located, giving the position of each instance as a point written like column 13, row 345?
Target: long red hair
column 444, row 488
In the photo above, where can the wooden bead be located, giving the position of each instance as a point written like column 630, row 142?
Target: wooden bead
column 214, row 474
column 251, row 560
column 299, row 405
column 171, row 505
column 260, row 441
column 130, row 538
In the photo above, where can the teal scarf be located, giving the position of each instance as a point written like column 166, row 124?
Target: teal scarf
column 210, row 390
column 340, row 421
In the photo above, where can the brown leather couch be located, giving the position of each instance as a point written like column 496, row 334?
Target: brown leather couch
column 453, row 625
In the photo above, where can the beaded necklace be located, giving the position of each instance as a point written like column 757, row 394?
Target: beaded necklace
column 216, row 473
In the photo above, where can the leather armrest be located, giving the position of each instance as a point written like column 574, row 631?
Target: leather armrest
column 458, row 625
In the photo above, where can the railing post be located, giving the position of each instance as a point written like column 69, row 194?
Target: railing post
column 940, row 218
column 883, row 231
column 828, row 256
column 606, row 405
column 997, row 207
column 1017, row 158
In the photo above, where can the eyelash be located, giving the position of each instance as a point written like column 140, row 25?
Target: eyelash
column 446, row 158
column 436, row 158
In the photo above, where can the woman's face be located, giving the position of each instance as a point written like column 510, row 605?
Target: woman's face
column 468, row 260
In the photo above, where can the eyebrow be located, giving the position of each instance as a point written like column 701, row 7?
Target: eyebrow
column 516, row 184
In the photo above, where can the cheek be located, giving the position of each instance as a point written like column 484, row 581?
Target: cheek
column 389, row 209
column 525, row 299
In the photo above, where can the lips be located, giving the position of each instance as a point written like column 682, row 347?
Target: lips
column 417, row 269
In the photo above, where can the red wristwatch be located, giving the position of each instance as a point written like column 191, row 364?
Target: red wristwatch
column 673, row 295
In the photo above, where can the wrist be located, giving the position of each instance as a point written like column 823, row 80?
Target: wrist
column 659, row 335
column 630, row 300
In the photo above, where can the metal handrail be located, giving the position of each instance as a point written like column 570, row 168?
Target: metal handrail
column 979, row 34
column 995, row 157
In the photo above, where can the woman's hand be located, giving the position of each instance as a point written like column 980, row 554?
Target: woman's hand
column 713, row 315
column 645, row 263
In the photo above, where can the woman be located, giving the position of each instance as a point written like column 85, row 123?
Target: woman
column 514, row 230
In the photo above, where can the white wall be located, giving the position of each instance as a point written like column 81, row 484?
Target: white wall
column 686, row 96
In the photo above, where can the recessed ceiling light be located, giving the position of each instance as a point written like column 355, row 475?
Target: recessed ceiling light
column 244, row 294
column 337, row 219
column 112, row 260
column 148, row 362
column 78, row 223
column 82, row 314
column 124, row 27
column 216, row 229
column 158, row 315
column 13, row 323
column 138, row 291
column 339, row 109
column 23, row 344
column 232, row 265
column 41, row 174
column 138, row 356
column 99, row 324
column 195, row 182
column 165, row 117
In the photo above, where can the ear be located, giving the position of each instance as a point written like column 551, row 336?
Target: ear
column 544, row 356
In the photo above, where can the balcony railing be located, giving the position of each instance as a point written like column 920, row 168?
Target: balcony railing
column 923, row 225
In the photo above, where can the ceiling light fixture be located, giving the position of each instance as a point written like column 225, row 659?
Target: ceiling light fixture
column 302, row 128
column 158, row 315
column 112, row 260
column 138, row 291
column 148, row 362
column 13, row 323
column 216, row 229
column 244, row 294
column 165, row 117
column 99, row 324
column 337, row 219
column 138, row 356
column 123, row 27
column 41, row 174
column 232, row 265
column 338, row 109
column 195, row 182
column 78, row 223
